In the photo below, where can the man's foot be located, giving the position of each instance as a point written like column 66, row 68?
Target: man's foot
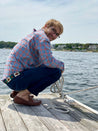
column 29, row 102
column 14, row 93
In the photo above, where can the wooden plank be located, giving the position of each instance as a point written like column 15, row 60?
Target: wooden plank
column 84, row 120
column 16, row 117
column 70, row 122
column 89, row 112
column 87, row 116
column 50, row 121
column 2, row 126
column 30, row 119
column 88, row 123
column 11, row 118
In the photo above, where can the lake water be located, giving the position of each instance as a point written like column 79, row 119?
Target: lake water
column 81, row 71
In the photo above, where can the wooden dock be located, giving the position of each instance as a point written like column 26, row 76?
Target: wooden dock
column 14, row 117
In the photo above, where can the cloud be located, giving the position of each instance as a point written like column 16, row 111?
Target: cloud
column 17, row 18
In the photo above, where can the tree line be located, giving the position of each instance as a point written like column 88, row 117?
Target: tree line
column 60, row 46
column 8, row 44
column 76, row 46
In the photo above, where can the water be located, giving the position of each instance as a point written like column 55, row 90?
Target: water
column 81, row 71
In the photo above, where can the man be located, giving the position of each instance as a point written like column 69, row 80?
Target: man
column 30, row 67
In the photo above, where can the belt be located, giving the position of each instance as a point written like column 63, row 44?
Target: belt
column 8, row 79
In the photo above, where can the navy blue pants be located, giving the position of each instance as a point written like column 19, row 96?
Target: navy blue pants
column 35, row 80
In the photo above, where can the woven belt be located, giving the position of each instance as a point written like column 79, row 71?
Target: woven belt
column 8, row 79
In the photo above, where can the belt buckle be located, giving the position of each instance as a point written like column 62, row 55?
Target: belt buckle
column 16, row 74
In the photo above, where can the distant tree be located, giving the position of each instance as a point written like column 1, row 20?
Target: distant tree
column 8, row 44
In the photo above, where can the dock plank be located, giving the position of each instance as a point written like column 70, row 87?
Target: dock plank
column 11, row 118
column 70, row 122
column 84, row 116
column 50, row 121
column 2, row 126
column 30, row 119
column 89, row 112
column 92, row 125
column 14, row 117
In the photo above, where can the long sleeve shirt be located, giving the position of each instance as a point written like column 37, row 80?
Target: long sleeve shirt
column 32, row 51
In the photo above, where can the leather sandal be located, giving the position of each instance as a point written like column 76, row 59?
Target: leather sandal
column 30, row 102
column 13, row 94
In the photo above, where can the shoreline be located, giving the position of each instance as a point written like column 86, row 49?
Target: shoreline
column 74, row 51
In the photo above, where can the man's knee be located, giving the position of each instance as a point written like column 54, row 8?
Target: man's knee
column 58, row 73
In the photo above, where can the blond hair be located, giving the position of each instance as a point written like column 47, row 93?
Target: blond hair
column 55, row 23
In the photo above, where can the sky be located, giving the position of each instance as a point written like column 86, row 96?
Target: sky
column 79, row 19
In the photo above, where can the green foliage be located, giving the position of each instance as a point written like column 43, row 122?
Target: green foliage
column 8, row 44
column 61, row 46
column 55, row 46
column 77, row 47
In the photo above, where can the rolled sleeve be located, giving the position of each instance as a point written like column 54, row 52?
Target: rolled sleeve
column 46, row 57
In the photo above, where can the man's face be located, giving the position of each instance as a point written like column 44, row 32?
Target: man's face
column 52, row 32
